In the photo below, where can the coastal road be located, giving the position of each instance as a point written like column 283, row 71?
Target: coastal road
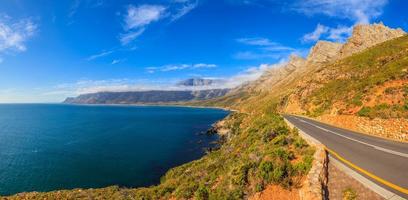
column 385, row 159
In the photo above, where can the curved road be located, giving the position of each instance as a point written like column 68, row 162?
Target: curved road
column 384, row 158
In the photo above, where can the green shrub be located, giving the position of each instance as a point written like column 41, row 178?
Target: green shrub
column 357, row 100
column 201, row 193
column 282, row 154
column 236, row 194
column 265, row 170
column 268, row 136
column 364, row 112
column 241, row 174
column 349, row 194
column 259, row 187
column 282, row 130
column 278, row 173
column 304, row 166
column 280, row 140
column 299, row 142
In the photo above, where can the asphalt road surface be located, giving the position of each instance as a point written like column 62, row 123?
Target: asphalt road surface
column 384, row 158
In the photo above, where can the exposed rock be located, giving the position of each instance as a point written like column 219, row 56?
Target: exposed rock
column 296, row 62
column 324, row 51
column 274, row 75
column 365, row 36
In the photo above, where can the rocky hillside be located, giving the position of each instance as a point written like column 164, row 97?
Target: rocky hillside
column 146, row 97
column 367, row 91
column 363, row 81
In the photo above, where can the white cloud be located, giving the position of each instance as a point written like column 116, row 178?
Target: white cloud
column 338, row 34
column 92, row 86
column 177, row 67
column 316, row 34
column 116, row 61
column 143, row 15
column 359, row 11
column 249, row 55
column 74, row 8
column 264, row 48
column 130, row 36
column 251, row 74
column 186, row 8
column 257, row 41
column 14, row 35
column 204, row 65
column 102, row 54
column 137, row 18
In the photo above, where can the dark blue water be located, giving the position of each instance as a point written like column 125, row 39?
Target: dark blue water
column 49, row 147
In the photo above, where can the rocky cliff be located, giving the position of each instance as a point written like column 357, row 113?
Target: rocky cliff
column 365, row 36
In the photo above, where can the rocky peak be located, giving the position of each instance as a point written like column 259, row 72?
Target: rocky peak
column 323, row 51
column 295, row 62
column 196, row 82
column 367, row 35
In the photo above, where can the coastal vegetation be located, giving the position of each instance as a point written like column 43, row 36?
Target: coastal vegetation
column 260, row 149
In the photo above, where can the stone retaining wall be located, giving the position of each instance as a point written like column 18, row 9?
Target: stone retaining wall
column 315, row 185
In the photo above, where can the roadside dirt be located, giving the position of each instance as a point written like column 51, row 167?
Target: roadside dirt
column 276, row 192
column 340, row 182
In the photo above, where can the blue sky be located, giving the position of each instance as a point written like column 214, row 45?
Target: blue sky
column 53, row 49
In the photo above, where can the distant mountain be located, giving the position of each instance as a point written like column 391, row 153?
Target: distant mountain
column 146, row 97
column 196, row 82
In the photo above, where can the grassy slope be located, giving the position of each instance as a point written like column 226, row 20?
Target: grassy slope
column 363, row 73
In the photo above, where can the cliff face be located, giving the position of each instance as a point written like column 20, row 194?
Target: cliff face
column 324, row 51
column 145, row 97
column 365, row 36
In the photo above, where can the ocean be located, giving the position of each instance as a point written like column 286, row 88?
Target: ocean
column 46, row 147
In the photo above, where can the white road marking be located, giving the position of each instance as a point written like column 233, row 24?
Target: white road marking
column 361, row 142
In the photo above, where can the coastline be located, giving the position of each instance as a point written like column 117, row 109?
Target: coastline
column 217, row 143
column 158, row 105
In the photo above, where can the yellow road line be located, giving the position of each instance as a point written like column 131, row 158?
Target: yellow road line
column 391, row 185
